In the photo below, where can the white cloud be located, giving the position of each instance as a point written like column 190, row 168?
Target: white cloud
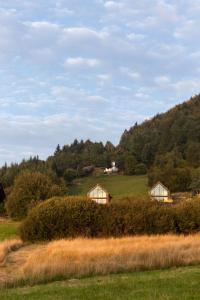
column 81, row 62
column 42, row 25
column 189, row 30
column 82, row 33
column 167, row 12
column 96, row 98
column 130, row 73
column 135, row 37
column 162, row 80
column 188, row 87
column 195, row 55
column 114, row 6
column 104, row 77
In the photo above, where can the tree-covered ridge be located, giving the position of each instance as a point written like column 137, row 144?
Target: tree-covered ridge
column 167, row 147
column 177, row 130
column 81, row 154
column 68, row 162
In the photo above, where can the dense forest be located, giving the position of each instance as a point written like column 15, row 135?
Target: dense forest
column 167, row 147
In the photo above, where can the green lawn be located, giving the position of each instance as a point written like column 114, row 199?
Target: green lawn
column 176, row 284
column 8, row 230
column 117, row 185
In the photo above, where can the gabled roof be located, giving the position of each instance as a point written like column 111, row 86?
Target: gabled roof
column 160, row 183
column 98, row 185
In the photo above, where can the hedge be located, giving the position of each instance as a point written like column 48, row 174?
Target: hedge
column 71, row 217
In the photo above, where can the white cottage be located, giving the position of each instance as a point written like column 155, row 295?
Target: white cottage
column 99, row 195
column 111, row 170
column 160, row 193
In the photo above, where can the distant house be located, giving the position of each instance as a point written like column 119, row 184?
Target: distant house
column 111, row 170
column 160, row 193
column 2, row 193
column 99, row 195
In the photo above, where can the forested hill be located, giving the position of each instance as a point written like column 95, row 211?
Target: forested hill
column 167, row 147
column 176, row 131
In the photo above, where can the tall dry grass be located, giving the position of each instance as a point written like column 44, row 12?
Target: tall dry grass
column 7, row 246
column 83, row 257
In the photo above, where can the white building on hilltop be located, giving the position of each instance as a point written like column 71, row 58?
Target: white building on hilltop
column 111, row 170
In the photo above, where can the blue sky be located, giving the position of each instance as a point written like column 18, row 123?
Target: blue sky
column 90, row 69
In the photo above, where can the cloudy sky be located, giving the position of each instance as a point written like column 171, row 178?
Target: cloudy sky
column 90, row 69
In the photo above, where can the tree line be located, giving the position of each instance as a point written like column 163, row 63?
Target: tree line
column 167, row 148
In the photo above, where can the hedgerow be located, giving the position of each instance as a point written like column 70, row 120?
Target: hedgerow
column 71, row 217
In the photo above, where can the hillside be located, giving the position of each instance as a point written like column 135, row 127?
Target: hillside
column 177, row 130
column 167, row 148
column 117, row 186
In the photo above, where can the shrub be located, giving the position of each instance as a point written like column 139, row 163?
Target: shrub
column 161, row 219
column 140, row 169
column 127, row 217
column 70, row 175
column 2, row 209
column 75, row 216
column 61, row 218
column 187, row 216
column 30, row 188
column 130, row 165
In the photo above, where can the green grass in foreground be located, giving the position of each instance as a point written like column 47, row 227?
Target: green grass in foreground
column 176, row 284
column 8, row 230
column 117, row 185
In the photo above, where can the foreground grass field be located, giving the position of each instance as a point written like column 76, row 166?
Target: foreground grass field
column 33, row 264
column 8, row 229
column 117, row 185
column 176, row 284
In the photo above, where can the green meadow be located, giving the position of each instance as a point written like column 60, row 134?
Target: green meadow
column 117, row 185
column 174, row 284
column 8, row 229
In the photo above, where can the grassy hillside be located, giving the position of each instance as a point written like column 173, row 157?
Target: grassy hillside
column 181, row 283
column 117, row 185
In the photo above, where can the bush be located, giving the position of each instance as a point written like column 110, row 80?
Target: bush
column 30, row 188
column 74, row 216
column 62, row 217
column 140, row 169
column 70, row 175
column 187, row 217
column 2, row 209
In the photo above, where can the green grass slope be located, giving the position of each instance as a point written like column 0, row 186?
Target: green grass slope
column 176, row 284
column 117, row 185
column 8, row 229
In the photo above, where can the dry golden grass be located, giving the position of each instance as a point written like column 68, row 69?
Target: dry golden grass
column 82, row 257
column 7, row 246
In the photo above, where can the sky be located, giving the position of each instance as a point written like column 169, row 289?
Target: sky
column 91, row 69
